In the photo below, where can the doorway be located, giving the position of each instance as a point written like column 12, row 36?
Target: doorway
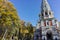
column 49, row 35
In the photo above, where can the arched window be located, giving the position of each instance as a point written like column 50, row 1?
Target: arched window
column 55, row 38
column 46, row 13
column 49, row 13
column 47, row 23
column 42, row 14
column 44, row 23
column 50, row 22
column 55, row 21
column 44, row 38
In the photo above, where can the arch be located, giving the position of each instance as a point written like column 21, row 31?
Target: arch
column 49, row 35
column 56, row 38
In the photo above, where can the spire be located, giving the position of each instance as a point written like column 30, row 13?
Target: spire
column 45, row 5
column 45, row 10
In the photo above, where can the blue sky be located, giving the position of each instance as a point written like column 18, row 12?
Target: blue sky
column 28, row 10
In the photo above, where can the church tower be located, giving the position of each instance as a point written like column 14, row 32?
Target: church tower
column 47, row 25
column 46, row 16
column 46, row 10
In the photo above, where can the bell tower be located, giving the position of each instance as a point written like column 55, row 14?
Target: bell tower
column 47, row 25
column 46, row 16
column 46, row 10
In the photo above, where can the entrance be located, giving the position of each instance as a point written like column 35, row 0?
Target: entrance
column 49, row 35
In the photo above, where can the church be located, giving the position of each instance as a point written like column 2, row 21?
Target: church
column 48, row 26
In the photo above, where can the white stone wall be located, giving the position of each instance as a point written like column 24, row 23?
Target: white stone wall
column 38, row 26
column 42, row 23
column 57, row 24
column 53, row 22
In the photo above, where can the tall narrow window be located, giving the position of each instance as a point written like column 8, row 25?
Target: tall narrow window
column 49, row 13
column 42, row 14
column 50, row 23
column 45, row 23
column 46, row 13
column 55, row 21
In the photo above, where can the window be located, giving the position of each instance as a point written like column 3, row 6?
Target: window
column 42, row 14
column 44, row 38
column 47, row 23
column 55, row 21
column 49, row 13
column 46, row 13
column 50, row 23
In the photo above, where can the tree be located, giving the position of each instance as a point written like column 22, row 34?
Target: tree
column 30, row 29
column 8, row 17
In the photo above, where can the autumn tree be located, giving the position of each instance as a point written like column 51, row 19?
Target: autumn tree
column 8, row 17
column 30, row 30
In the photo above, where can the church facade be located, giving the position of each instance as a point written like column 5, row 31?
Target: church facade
column 48, row 26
